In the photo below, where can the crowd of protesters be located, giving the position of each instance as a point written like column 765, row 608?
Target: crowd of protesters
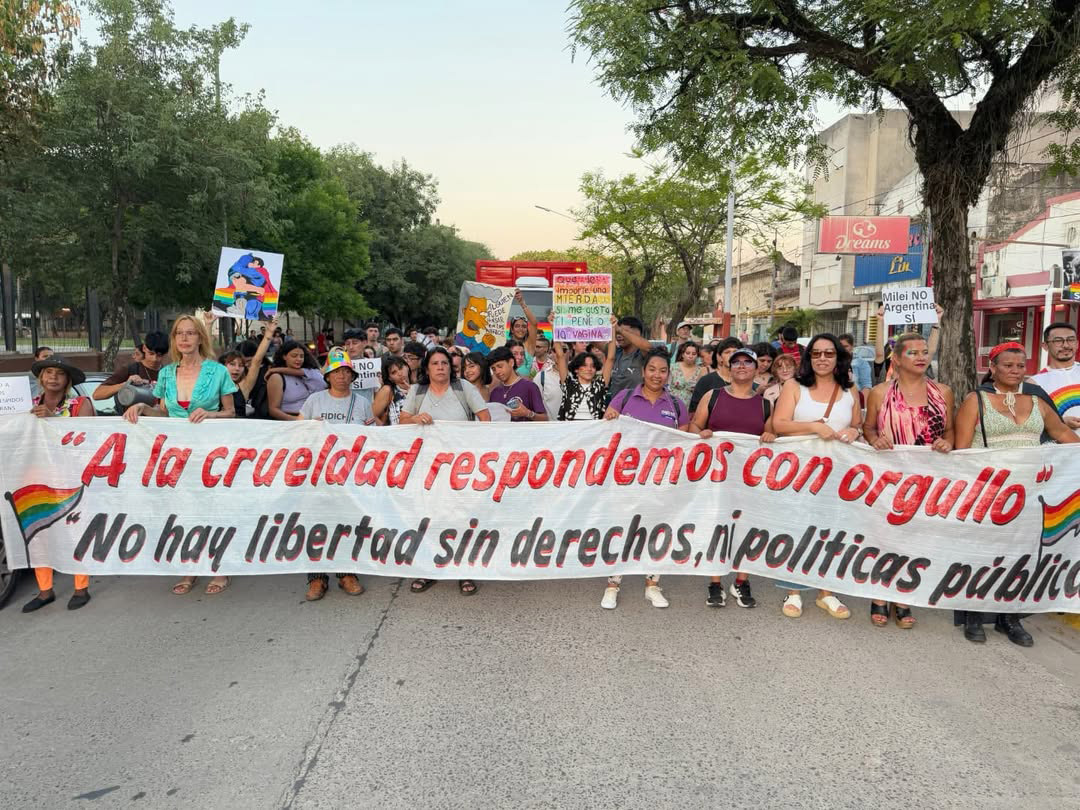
column 827, row 387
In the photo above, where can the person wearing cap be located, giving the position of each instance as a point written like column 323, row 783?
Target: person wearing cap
column 354, row 341
column 734, row 408
column 683, row 334
column 1001, row 418
column 338, row 405
column 56, row 377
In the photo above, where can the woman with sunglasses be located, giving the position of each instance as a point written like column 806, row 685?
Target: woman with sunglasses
column 908, row 410
column 819, row 402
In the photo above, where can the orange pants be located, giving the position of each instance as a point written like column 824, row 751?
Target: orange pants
column 44, row 580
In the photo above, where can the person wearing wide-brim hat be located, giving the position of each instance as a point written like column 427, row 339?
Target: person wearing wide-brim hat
column 339, row 404
column 56, row 377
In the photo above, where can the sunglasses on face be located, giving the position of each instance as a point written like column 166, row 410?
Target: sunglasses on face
column 828, row 354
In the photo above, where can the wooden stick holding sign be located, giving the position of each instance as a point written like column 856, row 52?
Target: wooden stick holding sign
column 908, row 306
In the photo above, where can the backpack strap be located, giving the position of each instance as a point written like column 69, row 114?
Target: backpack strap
column 626, row 392
column 421, row 392
column 459, row 390
column 982, row 424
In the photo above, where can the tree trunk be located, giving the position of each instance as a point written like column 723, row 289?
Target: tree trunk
column 952, row 277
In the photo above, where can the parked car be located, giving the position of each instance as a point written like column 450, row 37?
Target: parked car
column 8, row 578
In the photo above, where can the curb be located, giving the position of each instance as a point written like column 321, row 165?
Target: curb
column 1069, row 619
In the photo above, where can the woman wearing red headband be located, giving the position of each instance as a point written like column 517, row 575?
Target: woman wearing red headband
column 910, row 409
column 1005, row 418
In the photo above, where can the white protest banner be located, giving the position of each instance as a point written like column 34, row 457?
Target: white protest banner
column 483, row 310
column 248, row 284
column 909, row 305
column 994, row 530
column 15, row 394
column 582, row 306
column 369, row 373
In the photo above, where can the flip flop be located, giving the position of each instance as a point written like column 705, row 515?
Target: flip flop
column 421, row 585
column 213, row 589
column 182, row 588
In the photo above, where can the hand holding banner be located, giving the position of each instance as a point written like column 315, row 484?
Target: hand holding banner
column 994, row 530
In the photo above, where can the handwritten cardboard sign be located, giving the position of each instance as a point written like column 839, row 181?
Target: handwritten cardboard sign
column 369, row 373
column 909, row 305
column 15, row 394
column 582, row 306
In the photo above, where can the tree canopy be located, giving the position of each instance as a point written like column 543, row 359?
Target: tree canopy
column 715, row 78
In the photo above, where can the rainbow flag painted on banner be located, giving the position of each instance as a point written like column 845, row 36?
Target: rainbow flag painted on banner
column 1065, row 398
column 37, row 506
column 1059, row 520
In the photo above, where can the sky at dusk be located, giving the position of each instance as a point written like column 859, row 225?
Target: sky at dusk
column 484, row 95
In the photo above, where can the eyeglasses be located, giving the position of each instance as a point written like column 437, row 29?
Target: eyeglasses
column 828, row 354
column 1063, row 341
column 744, row 362
column 189, row 334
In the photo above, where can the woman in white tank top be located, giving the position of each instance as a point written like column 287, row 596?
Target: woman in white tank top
column 819, row 401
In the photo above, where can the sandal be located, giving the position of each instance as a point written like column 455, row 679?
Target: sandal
column 214, row 588
column 792, row 606
column 421, row 585
column 904, row 619
column 833, row 606
column 467, row 587
column 879, row 614
column 183, row 587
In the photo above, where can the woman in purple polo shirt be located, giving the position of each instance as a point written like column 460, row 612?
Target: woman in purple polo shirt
column 649, row 402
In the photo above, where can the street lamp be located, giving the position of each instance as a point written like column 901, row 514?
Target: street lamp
column 556, row 213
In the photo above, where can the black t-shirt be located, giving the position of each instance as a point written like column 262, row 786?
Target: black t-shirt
column 710, row 382
column 120, row 376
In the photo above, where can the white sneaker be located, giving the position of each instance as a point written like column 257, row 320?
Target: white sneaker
column 656, row 596
column 611, row 597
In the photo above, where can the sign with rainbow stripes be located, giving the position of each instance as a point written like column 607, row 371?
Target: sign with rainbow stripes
column 38, row 506
column 248, row 284
column 1061, row 519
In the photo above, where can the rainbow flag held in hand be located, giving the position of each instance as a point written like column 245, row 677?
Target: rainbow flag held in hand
column 1059, row 520
column 37, row 506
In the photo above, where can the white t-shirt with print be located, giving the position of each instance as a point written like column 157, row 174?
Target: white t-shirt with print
column 349, row 410
column 1063, row 386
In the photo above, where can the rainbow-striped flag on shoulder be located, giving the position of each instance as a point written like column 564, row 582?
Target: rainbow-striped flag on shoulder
column 37, row 506
column 1061, row 519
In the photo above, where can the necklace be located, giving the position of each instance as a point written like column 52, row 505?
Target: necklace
column 1010, row 399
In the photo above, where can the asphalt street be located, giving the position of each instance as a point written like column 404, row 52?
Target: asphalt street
column 522, row 696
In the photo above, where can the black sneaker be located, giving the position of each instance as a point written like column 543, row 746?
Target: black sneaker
column 741, row 592
column 716, row 595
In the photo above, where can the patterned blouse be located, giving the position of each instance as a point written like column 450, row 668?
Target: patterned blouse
column 574, row 393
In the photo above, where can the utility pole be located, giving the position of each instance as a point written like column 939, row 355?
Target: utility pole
column 726, row 327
